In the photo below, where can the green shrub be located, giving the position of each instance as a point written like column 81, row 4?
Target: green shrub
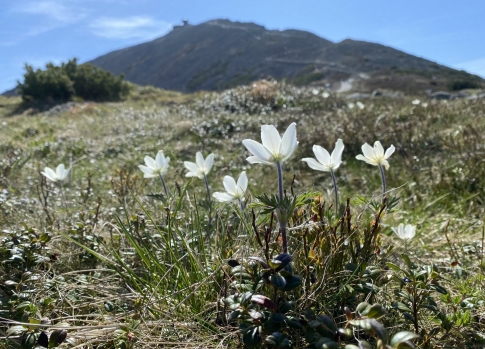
column 58, row 84
column 457, row 85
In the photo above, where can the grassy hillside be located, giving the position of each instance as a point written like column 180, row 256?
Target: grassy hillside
column 120, row 265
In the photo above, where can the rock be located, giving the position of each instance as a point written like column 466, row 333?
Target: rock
column 441, row 95
column 358, row 95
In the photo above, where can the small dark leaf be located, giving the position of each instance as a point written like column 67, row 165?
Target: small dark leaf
column 277, row 281
column 277, row 317
column 292, row 282
column 43, row 340
column 255, row 315
column 233, row 263
column 285, row 307
column 57, row 337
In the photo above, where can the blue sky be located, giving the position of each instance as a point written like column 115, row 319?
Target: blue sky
column 39, row 31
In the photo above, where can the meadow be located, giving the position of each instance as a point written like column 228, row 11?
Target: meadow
column 106, row 259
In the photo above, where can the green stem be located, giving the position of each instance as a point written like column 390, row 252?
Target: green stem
column 64, row 197
column 335, row 189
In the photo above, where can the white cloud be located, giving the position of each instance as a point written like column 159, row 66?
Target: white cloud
column 55, row 10
column 135, row 27
column 476, row 66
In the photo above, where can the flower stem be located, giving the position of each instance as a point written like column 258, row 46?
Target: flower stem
column 208, row 198
column 282, row 214
column 163, row 183
column 383, row 179
column 280, row 180
column 64, row 197
column 335, row 189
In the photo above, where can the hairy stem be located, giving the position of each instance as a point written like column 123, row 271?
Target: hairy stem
column 163, row 183
column 335, row 189
column 208, row 198
column 383, row 179
column 64, row 197
column 282, row 220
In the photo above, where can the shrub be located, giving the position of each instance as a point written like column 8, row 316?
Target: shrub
column 58, row 84
column 457, row 85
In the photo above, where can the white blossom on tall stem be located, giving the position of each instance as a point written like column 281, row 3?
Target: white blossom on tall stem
column 201, row 169
column 274, row 150
column 327, row 163
column 405, row 233
column 156, row 167
column 376, row 157
column 234, row 191
column 59, row 175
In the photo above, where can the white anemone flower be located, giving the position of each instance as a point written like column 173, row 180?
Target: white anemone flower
column 234, row 191
column 201, row 167
column 274, row 149
column 326, row 162
column 405, row 232
column 155, row 167
column 58, row 175
column 376, row 156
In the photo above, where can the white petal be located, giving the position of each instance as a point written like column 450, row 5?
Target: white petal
column 160, row 159
column 199, row 160
column 385, row 163
column 209, row 161
column 314, row 164
column 242, row 182
column 322, row 155
column 337, row 153
column 271, row 138
column 288, row 142
column 194, row 170
column 150, row 162
column 368, row 151
column 369, row 161
column 64, row 174
column 223, row 197
column 378, row 149
column 289, row 153
column 410, row 231
column 230, row 185
column 258, row 150
column 256, row 160
column 60, row 170
column 148, row 172
column 389, row 152
column 50, row 174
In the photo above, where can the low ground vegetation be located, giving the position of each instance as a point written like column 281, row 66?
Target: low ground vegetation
column 105, row 259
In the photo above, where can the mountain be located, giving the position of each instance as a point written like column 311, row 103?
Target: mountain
column 220, row 54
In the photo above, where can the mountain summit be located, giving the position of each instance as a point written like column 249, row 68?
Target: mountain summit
column 220, row 54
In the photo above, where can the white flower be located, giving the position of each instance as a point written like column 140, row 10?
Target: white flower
column 360, row 105
column 405, row 232
column 326, row 162
column 201, row 167
column 376, row 156
column 155, row 167
column 274, row 148
column 234, row 191
column 415, row 102
column 58, row 175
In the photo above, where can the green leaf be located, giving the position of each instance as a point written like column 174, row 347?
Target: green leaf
column 376, row 311
column 263, row 301
column 400, row 306
column 403, row 336
column 406, row 260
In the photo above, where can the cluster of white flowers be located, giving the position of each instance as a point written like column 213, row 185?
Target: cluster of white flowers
column 274, row 149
